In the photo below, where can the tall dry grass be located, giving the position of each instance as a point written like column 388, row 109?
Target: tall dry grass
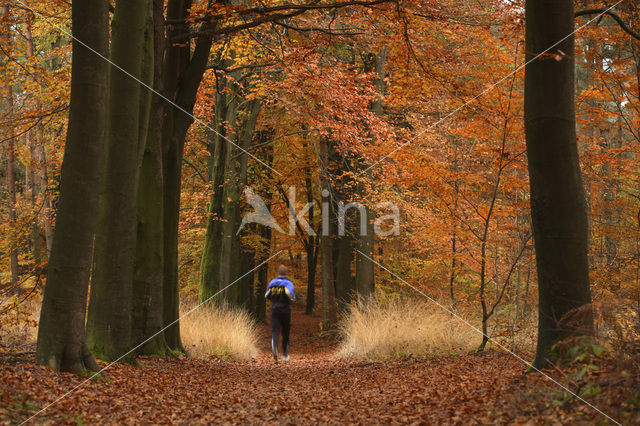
column 212, row 331
column 397, row 329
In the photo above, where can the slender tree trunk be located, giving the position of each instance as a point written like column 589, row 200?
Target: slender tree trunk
column 557, row 195
column 11, row 189
column 109, row 321
column 31, row 138
column 61, row 333
column 44, row 182
column 365, row 268
column 245, row 289
column 312, row 264
column 483, row 302
column 311, row 246
column 365, row 272
column 11, row 176
column 328, row 284
column 329, row 308
column 34, row 191
column 228, row 249
column 454, row 251
column 345, row 283
column 39, row 159
column 265, row 232
column 263, row 273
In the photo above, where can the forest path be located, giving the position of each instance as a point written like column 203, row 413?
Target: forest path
column 304, row 337
column 314, row 387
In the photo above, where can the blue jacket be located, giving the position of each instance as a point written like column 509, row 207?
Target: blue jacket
column 280, row 291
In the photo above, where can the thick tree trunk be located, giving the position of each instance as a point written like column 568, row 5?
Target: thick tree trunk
column 557, row 194
column 147, row 284
column 61, row 334
column 109, row 321
column 245, row 293
column 229, row 244
column 211, row 259
column 175, row 126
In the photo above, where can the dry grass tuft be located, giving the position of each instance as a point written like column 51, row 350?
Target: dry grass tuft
column 397, row 329
column 211, row 331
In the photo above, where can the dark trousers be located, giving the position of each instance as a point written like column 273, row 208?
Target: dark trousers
column 280, row 321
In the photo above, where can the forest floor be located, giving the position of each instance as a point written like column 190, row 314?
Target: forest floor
column 313, row 387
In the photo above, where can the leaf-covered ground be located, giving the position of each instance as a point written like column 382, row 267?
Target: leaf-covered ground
column 313, row 387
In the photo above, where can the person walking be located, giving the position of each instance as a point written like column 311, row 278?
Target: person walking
column 280, row 293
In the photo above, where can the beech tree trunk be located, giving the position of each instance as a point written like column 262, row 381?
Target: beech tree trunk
column 182, row 76
column 224, row 258
column 345, row 282
column 329, row 308
column 109, row 321
column 557, row 195
column 312, row 243
column 365, row 268
column 61, row 333
column 147, row 281
column 218, row 147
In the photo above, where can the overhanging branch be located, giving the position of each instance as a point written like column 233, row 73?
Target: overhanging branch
column 613, row 15
column 269, row 14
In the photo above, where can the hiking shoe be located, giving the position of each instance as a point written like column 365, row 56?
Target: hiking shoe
column 285, row 358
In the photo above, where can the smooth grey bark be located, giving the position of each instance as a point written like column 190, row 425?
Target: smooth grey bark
column 61, row 332
column 110, row 319
column 558, row 209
